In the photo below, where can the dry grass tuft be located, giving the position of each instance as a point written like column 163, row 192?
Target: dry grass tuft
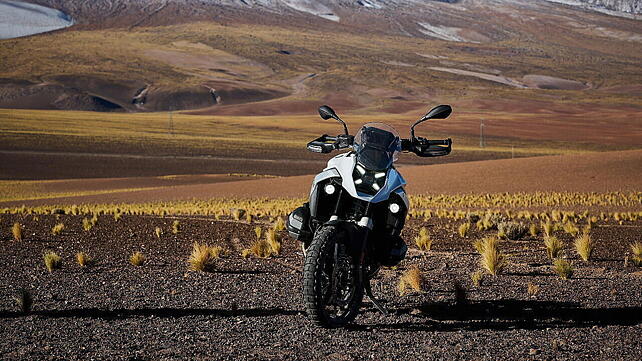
column 479, row 245
column 203, row 257
column 464, row 228
column 563, row 268
column 237, row 213
column 584, row 246
column 137, row 259
column 273, row 240
column 571, row 228
column 279, row 225
column 117, row 216
column 532, row 289
column 52, row 261
column 89, row 223
column 261, row 248
column 411, row 279
column 477, row 277
column 83, row 259
column 423, row 240
column 264, row 248
column 16, row 230
column 86, row 224
column 176, row 227
column 511, row 230
column 258, row 231
column 24, row 301
column 492, row 260
column 533, row 230
column 158, row 232
column 636, row 249
column 548, row 229
column 553, row 246
column 57, row 229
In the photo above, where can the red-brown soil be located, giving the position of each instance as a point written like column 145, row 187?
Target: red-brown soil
column 252, row 309
column 98, row 161
column 594, row 172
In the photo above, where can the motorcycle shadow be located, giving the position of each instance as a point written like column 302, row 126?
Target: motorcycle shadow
column 507, row 314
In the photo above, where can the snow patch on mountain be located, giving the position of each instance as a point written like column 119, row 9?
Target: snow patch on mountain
column 441, row 32
column 312, row 7
column 369, row 4
column 22, row 19
column 624, row 8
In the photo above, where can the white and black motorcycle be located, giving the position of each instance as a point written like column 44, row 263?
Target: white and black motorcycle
column 357, row 208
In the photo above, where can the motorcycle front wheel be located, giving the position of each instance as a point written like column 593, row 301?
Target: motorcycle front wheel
column 331, row 290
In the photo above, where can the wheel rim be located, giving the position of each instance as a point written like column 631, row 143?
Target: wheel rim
column 337, row 282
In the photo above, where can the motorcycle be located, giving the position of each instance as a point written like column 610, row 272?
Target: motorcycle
column 351, row 225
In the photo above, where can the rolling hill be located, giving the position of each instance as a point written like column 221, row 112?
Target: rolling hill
column 287, row 56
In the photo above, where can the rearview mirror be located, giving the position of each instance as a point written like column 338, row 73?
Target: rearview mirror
column 438, row 112
column 326, row 113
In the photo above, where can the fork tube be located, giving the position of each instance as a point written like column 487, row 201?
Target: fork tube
column 366, row 231
column 335, row 213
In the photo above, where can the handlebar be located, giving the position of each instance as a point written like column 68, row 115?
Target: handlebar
column 420, row 146
column 327, row 143
column 427, row 148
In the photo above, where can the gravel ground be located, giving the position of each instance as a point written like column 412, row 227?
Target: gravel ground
column 252, row 309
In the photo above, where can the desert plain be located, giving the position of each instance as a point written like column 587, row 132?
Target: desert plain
column 148, row 127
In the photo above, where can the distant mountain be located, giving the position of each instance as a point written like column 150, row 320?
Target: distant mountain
column 21, row 19
column 623, row 6
column 258, row 57
column 118, row 11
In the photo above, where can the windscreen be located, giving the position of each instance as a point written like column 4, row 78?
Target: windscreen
column 377, row 146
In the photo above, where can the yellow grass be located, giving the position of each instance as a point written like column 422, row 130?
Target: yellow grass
column 492, row 260
column 464, row 228
column 260, row 248
column 548, row 228
column 86, row 224
column 16, row 230
column 584, row 246
column 563, row 268
column 532, row 289
column 274, row 242
column 411, row 279
column 553, row 246
column 636, row 249
column 52, row 261
column 477, row 277
column 279, row 225
column 203, row 257
column 83, row 259
column 37, row 189
column 57, row 229
column 423, row 240
column 137, row 259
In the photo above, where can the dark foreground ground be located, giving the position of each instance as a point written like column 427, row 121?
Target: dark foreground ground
column 251, row 309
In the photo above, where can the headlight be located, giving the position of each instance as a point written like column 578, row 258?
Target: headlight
column 368, row 181
column 394, row 207
column 329, row 189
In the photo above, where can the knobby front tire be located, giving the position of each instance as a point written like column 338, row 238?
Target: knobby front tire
column 318, row 261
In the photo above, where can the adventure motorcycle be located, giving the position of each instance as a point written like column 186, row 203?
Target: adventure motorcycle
column 357, row 208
